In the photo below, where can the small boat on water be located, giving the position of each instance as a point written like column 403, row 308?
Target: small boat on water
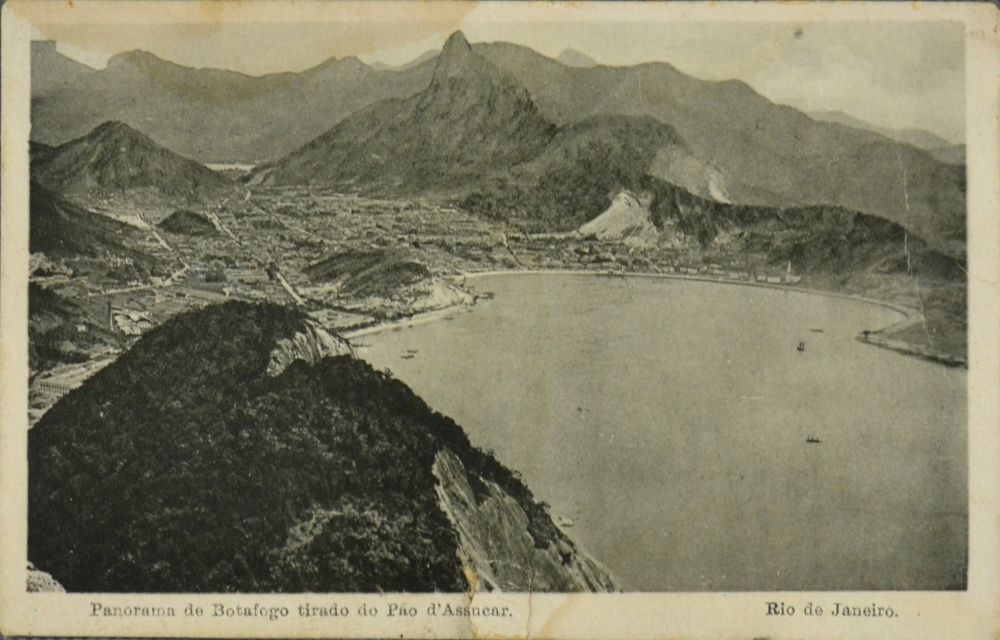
column 801, row 346
column 812, row 440
column 407, row 356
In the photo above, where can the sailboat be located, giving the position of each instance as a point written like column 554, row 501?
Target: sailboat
column 801, row 346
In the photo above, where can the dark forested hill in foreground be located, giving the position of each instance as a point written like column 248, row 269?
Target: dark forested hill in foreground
column 192, row 464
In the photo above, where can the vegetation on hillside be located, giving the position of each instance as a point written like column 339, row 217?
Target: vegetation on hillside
column 186, row 222
column 60, row 331
column 471, row 120
column 183, row 467
column 577, row 175
column 114, row 159
column 375, row 272
column 89, row 242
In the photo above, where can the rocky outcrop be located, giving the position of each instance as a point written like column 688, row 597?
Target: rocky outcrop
column 435, row 294
column 677, row 165
column 626, row 220
column 39, row 581
column 310, row 344
column 496, row 549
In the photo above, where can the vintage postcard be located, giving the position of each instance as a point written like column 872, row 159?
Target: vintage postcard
column 505, row 320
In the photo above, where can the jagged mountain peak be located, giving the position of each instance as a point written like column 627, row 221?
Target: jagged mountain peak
column 456, row 58
column 456, row 44
column 463, row 78
column 472, row 120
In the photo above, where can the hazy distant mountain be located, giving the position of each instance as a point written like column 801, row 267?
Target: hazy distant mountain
column 422, row 58
column 916, row 137
column 768, row 154
column 755, row 152
column 472, row 119
column 574, row 58
column 952, row 154
column 206, row 114
column 50, row 70
column 115, row 158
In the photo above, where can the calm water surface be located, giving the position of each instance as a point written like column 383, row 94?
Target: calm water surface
column 669, row 419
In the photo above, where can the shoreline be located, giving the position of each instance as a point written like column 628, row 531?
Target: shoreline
column 874, row 337
column 904, row 311
column 407, row 321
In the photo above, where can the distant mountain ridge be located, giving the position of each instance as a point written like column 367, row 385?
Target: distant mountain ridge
column 955, row 154
column 755, row 152
column 768, row 154
column 472, row 119
column 475, row 132
column 241, row 118
column 52, row 71
column 920, row 138
column 423, row 57
column 574, row 58
column 725, row 143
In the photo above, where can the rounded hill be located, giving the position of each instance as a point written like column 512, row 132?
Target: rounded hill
column 195, row 464
column 186, row 222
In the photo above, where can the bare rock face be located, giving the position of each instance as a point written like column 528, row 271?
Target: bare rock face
column 39, row 581
column 496, row 548
column 678, row 165
column 627, row 220
column 310, row 344
column 435, row 294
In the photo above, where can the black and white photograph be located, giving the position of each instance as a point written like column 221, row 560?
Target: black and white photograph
column 483, row 304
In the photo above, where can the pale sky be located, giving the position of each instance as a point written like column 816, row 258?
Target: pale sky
column 902, row 74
